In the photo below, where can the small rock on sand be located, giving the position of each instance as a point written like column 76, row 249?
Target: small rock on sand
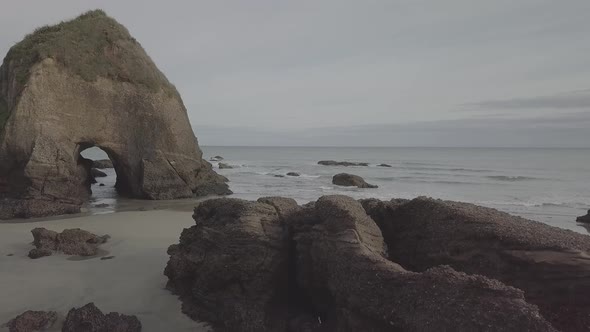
column 384, row 165
column 293, row 174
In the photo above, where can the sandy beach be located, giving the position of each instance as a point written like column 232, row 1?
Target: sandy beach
column 131, row 283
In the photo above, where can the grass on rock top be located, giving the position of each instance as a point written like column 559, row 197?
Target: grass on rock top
column 92, row 45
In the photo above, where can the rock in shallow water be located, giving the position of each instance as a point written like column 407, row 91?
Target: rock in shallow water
column 340, row 163
column 585, row 219
column 102, row 163
column 272, row 265
column 31, row 321
column 350, row 180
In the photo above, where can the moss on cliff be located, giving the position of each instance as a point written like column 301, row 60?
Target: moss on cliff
column 92, row 45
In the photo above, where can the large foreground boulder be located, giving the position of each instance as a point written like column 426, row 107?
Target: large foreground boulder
column 70, row 242
column 549, row 264
column 351, row 180
column 230, row 268
column 90, row 318
column 85, row 83
column 30, row 321
column 274, row 266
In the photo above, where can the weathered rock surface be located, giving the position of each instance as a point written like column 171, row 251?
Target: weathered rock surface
column 350, row 180
column 551, row 265
column 340, row 163
column 31, row 321
column 230, row 268
column 102, row 163
column 70, row 242
column 59, row 100
column 585, row 218
column 225, row 166
column 235, row 269
column 90, row 318
column 293, row 174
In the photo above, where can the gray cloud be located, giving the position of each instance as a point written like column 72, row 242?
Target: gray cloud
column 574, row 100
column 568, row 130
column 283, row 67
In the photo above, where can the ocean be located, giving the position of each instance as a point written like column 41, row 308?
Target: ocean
column 547, row 185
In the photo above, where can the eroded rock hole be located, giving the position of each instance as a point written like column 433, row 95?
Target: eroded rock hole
column 105, row 180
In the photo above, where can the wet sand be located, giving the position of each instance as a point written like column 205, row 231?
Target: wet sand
column 131, row 283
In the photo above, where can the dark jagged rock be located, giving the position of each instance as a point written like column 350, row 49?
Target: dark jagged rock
column 384, row 165
column 31, row 321
column 293, row 174
column 230, row 268
column 584, row 219
column 101, row 184
column 350, row 180
column 58, row 100
column 90, row 318
column 279, row 176
column 225, row 166
column 274, row 266
column 102, row 163
column 340, row 163
column 70, row 241
column 549, row 264
column 97, row 173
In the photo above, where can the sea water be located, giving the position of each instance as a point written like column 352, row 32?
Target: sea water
column 547, row 185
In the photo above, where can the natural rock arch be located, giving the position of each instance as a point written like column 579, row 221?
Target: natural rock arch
column 84, row 83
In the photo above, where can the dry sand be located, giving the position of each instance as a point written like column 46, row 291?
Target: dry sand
column 130, row 283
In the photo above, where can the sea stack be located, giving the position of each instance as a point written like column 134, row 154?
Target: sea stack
column 85, row 83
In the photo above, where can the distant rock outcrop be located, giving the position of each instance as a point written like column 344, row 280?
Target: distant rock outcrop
column 102, row 163
column 384, row 165
column 340, row 163
column 86, row 83
column 585, row 219
column 90, row 318
column 30, row 321
column 350, row 180
column 216, row 158
column 293, row 174
column 70, row 241
column 272, row 265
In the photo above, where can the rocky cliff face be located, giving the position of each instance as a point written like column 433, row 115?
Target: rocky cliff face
column 87, row 83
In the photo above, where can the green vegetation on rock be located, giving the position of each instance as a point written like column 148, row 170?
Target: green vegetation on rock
column 92, row 45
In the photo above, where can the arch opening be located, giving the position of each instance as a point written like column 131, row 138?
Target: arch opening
column 106, row 178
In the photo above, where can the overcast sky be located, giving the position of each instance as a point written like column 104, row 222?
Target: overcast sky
column 338, row 72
